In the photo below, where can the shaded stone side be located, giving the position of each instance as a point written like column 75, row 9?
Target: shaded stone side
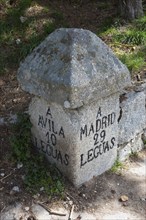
column 132, row 123
column 133, row 116
column 133, row 146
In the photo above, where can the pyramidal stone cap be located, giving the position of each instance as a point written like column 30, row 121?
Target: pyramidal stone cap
column 72, row 67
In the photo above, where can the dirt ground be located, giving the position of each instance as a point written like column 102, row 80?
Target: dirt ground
column 98, row 199
column 118, row 196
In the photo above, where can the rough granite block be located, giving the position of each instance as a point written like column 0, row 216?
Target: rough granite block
column 76, row 79
column 82, row 142
column 133, row 146
column 133, row 116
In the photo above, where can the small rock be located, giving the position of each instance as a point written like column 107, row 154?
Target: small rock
column 15, row 189
column 123, row 198
column 84, row 195
column 23, row 177
column 70, row 202
column 143, row 199
column 18, row 41
column 19, row 165
column 42, row 189
column 26, row 208
column 13, row 119
column 66, row 104
column 2, row 174
column 23, row 19
column 40, row 213
column 65, row 205
column 36, row 196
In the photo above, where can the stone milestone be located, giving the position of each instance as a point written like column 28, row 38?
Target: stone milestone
column 76, row 80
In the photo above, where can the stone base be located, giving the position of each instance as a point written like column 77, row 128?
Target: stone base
column 135, row 145
column 81, row 142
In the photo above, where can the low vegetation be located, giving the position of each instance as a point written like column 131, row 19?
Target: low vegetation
column 38, row 176
column 22, row 27
column 26, row 23
column 128, row 41
column 117, row 167
column 133, row 154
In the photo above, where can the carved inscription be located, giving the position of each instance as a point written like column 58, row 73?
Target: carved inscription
column 52, row 133
column 98, row 132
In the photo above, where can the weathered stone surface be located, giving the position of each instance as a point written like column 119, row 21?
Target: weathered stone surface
column 81, row 142
column 78, row 80
column 133, row 116
column 72, row 67
column 9, row 119
column 14, row 212
column 135, row 145
column 40, row 213
column 141, row 87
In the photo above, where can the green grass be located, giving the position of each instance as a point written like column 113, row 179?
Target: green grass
column 134, row 61
column 130, row 37
column 36, row 27
column 38, row 173
column 117, row 167
column 129, row 43
column 140, row 24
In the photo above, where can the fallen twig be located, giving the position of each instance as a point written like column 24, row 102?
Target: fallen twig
column 3, row 209
column 71, row 213
column 71, row 197
column 5, row 177
column 121, row 44
column 48, row 210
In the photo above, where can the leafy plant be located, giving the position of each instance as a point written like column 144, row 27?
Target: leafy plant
column 117, row 166
column 21, row 140
column 38, row 174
